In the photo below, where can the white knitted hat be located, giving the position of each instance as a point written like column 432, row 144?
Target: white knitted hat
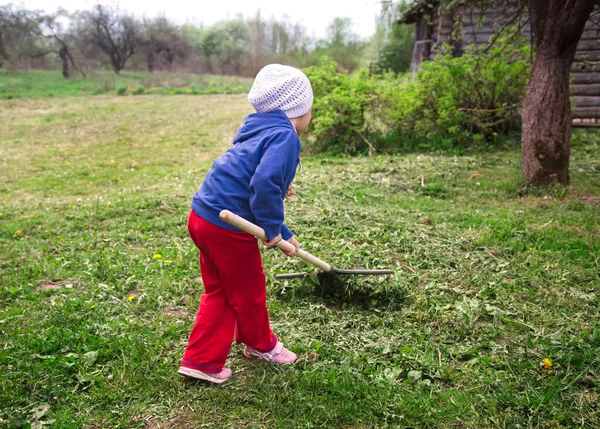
column 281, row 87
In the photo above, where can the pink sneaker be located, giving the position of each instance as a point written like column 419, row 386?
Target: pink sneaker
column 213, row 378
column 279, row 354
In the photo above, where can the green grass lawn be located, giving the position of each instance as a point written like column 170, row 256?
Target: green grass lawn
column 99, row 281
column 40, row 83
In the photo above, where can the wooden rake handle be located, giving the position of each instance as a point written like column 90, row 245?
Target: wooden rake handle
column 258, row 232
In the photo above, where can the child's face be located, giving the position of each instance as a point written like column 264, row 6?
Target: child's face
column 302, row 122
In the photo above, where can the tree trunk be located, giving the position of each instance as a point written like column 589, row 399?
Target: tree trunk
column 546, row 141
column 116, row 65
column 150, row 62
column 64, row 56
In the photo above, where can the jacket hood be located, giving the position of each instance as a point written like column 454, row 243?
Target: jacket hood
column 258, row 122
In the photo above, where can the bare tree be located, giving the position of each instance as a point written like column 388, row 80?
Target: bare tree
column 19, row 32
column 114, row 33
column 162, row 42
column 557, row 26
column 61, row 40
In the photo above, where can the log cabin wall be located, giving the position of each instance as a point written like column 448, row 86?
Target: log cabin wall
column 472, row 25
column 585, row 76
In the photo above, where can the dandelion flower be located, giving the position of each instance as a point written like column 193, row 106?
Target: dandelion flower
column 494, row 134
column 179, row 255
column 131, row 298
column 92, row 307
column 167, row 261
column 157, row 256
column 547, row 363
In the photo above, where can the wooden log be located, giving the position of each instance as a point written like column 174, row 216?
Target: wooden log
column 490, row 27
column 587, row 101
column 447, row 20
column 501, row 10
column 586, row 67
column 585, row 78
column 476, row 38
column 484, row 29
column 590, row 34
column 591, row 89
column 587, row 124
column 589, row 45
column 587, row 112
column 587, row 56
column 495, row 21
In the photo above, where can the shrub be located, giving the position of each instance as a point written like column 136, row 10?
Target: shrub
column 340, row 109
column 450, row 103
column 470, row 99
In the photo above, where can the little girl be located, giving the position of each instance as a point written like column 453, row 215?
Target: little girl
column 251, row 179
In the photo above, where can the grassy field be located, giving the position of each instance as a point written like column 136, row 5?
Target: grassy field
column 39, row 83
column 491, row 319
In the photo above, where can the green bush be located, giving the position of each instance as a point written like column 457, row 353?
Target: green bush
column 469, row 99
column 340, row 110
column 450, row 103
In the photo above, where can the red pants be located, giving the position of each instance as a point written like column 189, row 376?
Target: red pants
column 235, row 296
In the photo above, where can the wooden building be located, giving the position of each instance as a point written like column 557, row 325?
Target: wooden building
column 466, row 25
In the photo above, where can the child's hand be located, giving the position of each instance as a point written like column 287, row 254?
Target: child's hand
column 292, row 240
column 272, row 242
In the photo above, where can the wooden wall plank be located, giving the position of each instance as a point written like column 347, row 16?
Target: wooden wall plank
column 590, row 34
column 586, row 67
column 587, row 101
column 589, row 45
column 585, row 78
column 587, row 112
column 582, row 89
column 587, row 56
column 477, row 38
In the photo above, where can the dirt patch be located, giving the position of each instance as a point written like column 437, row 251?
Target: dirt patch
column 589, row 397
column 177, row 313
column 182, row 420
column 592, row 200
column 55, row 285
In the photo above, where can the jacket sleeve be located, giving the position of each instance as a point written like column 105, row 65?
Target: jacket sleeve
column 269, row 183
column 286, row 234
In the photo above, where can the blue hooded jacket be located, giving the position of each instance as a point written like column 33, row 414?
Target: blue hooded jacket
column 252, row 178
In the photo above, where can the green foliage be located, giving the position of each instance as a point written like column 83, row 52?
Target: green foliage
column 396, row 51
column 341, row 44
column 451, row 103
column 469, row 99
column 340, row 108
column 227, row 41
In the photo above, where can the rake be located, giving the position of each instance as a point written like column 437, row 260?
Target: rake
column 258, row 232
